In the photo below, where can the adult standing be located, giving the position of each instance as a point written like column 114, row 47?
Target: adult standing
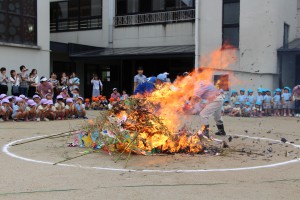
column 139, row 78
column 3, row 81
column 15, row 83
column 115, row 95
column 64, row 79
column 44, row 88
column 55, row 83
column 33, row 81
column 23, row 80
column 74, row 82
column 97, row 85
column 296, row 94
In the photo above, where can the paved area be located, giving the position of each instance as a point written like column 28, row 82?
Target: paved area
column 27, row 180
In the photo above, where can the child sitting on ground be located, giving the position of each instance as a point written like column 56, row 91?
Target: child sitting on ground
column 36, row 99
column 75, row 94
column 87, row 104
column 80, row 108
column 103, row 103
column 246, row 111
column 70, row 108
column 256, row 110
column 31, row 110
column 277, row 102
column 226, row 108
column 233, row 97
column 43, row 111
column 60, row 107
column 64, row 93
column 95, row 103
column 286, row 102
column 236, row 111
column 52, row 110
column 19, row 111
column 6, row 110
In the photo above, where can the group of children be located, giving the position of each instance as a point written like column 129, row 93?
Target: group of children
column 20, row 108
column 266, row 103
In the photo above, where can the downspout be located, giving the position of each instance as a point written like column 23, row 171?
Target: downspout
column 197, row 19
column 111, row 14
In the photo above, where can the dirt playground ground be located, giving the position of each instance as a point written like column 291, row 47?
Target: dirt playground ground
column 258, row 165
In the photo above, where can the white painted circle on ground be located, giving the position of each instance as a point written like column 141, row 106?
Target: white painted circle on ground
column 5, row 149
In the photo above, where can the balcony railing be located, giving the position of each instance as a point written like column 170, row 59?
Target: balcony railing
column 155, row 18
column 75, row 24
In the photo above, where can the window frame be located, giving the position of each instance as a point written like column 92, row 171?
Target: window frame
column 233, row 25
column 286, row 34
column 78, row 19
column 152, row 11
column 22, row 15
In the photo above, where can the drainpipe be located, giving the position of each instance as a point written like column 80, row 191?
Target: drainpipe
column 111, row 14
column 197, row 19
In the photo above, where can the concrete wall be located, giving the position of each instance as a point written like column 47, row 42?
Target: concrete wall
column 261, row 34
column 12, row 56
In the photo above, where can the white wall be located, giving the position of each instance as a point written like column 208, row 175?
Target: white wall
column 13, row 56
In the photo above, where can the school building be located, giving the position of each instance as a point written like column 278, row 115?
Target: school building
column 112, row 38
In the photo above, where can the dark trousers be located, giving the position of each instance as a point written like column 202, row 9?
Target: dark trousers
column 3, row 89
column 23, row 90
column 297, row 106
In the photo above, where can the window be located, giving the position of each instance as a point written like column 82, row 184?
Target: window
column 75, row 15
column 18, row 21
column 286, row 35
column 124, row 7
column 231, row 22
column 222, row 82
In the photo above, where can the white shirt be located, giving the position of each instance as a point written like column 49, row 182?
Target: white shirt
column 17, row 79
column 96, row 84
column 74, row 80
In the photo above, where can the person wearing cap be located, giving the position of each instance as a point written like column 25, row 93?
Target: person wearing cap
column 95, row 103
column 267, row 102
column 6, row 110
column 286, row 102
column 139, row 78
column 64, row 93
column 103, row 103
column 3, row 81
column 43, row 111
column 115, row 94
column 60, row 107
column 52, row 110
column 36, row 99
column 70, row 109
column 246, row 111
column 236, row 111
column 87, row 103
column 251, row 98
column 242, row 97
column 44, row 88
column 259, row 97
column 233, row 97
column 80, row 108
column 257, row 110
column 24, row 80
column 277, row 102
column 227, row 108
column 97, row 85
column 19, row 110
column 31, row 110
column 296, row 96
column 149, row 86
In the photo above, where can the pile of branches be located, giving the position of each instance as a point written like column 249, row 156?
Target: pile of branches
column 132, row 126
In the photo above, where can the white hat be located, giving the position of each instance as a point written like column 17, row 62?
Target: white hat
column 43, row 80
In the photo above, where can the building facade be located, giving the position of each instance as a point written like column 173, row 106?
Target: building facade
column 113, row 38
column 25, row 35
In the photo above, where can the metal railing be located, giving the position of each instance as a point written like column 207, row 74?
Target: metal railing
column 74, row 24
column 155, row 18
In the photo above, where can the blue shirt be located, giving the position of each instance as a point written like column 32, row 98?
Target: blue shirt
column 260, row 98
column 267, row 99
column 286, row 96
column 15, row 109
column 242, row 98
column 143, row 88
column 78, row 107
column 206, row 91
column 277, row 98
column 251, row 99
